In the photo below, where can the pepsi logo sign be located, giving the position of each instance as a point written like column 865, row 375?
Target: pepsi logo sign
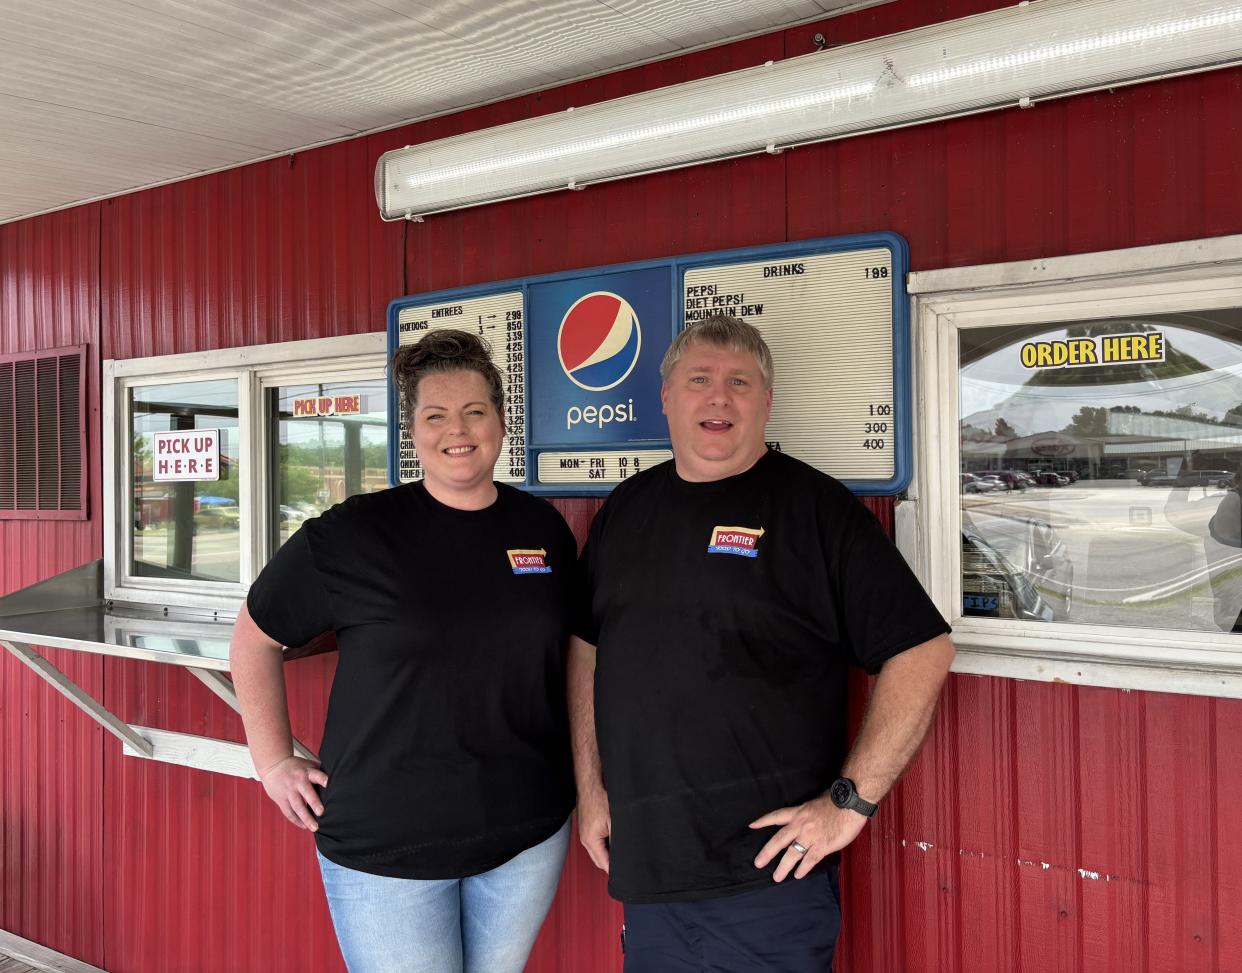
column 599, row 341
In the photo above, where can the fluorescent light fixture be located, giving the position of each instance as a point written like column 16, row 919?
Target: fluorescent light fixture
column 1016, row 56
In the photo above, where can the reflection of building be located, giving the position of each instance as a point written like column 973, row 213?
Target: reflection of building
column 1133, row 441
column 1168, row 443
column 333, row 481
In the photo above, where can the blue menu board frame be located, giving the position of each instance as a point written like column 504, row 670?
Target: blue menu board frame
column 598, row 381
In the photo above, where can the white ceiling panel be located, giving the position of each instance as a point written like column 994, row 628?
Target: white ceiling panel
column 696, row 24
column 32, row 77
column 100, row 97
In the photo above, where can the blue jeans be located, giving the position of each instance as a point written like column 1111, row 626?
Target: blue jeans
column 486, row 923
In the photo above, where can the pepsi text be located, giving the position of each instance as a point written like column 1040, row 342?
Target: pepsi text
column 600, row 415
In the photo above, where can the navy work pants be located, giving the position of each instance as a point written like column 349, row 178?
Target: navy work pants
column 788, row 927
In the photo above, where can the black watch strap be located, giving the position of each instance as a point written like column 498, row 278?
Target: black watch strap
column 845, row 796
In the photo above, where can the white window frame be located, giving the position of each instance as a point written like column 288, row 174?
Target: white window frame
column 255, row 368
column 1191, row 276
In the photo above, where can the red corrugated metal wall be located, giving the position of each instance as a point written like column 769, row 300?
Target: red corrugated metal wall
column 1046, row 827
column 51, row 754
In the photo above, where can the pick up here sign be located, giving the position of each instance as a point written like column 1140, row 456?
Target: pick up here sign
column 190, row 454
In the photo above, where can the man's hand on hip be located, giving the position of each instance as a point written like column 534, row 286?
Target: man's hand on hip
column 810, row 833
column 595, row 827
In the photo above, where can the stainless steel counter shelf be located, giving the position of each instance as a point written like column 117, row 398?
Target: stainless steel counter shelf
column 69, row 612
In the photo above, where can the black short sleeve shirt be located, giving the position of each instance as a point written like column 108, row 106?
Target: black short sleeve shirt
column 726, row 615
column 446, row 741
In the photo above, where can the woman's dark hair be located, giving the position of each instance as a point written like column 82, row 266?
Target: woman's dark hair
column 448, row 350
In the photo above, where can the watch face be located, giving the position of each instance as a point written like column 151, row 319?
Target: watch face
column 841, row 793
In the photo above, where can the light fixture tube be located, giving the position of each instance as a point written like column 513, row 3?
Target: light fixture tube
column 1034, row 51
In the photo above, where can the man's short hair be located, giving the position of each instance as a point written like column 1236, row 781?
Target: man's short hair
column 722, row 331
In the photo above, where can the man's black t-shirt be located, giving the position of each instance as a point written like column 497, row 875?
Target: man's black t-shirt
column 725, row 616
column 446, row 742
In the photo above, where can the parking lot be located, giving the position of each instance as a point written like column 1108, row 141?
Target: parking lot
column 1143, row 556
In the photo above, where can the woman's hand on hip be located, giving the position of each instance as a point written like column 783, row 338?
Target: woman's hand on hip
column 290, row 784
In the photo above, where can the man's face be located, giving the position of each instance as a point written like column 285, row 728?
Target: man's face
column 717, row 407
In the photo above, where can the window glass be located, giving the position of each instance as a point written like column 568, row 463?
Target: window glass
column 330, row 442
column 1099, row 475
column 185, row 519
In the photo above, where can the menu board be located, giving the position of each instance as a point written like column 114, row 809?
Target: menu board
column 498, row 320
column 580, row 354
column 829, row 322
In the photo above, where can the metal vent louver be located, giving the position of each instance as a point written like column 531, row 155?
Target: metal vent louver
column 42, row 442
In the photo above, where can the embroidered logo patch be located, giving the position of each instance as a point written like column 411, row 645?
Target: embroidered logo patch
column 529, row 562
column 743, row 541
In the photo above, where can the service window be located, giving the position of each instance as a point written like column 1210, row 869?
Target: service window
column 213, row 460
column 1099, row 471
column 1079, row 453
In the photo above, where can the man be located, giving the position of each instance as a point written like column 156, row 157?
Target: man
column 728, row 592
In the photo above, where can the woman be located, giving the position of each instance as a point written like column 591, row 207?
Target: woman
column 441, row 807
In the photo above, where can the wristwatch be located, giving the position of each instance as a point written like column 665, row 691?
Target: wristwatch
column 845, row 796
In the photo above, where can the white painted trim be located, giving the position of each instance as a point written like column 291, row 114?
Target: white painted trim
column 250, row 483
column 111, row 522
column 1161, row 257
column 1112, row 675
column 252, row 356
column 908, row 534
column 201, row 753
column 40, row 957
column 1194, row 275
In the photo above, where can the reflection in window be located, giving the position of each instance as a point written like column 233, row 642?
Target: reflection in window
column 331, row 442
column 1099, row 479
column 185, row 529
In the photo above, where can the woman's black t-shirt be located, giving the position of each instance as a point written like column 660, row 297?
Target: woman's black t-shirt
column 446, row 744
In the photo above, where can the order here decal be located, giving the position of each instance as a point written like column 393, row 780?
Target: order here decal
column 1107, row 349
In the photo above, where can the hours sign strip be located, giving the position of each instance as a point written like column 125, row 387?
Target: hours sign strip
column 498, row 320
column 604, row 466
column 829, row 321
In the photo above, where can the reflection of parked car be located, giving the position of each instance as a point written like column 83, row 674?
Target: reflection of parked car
column 1010, row 479
column 1191, row 478
column 229, row 517
column 1015, row 567
column 291, row 515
